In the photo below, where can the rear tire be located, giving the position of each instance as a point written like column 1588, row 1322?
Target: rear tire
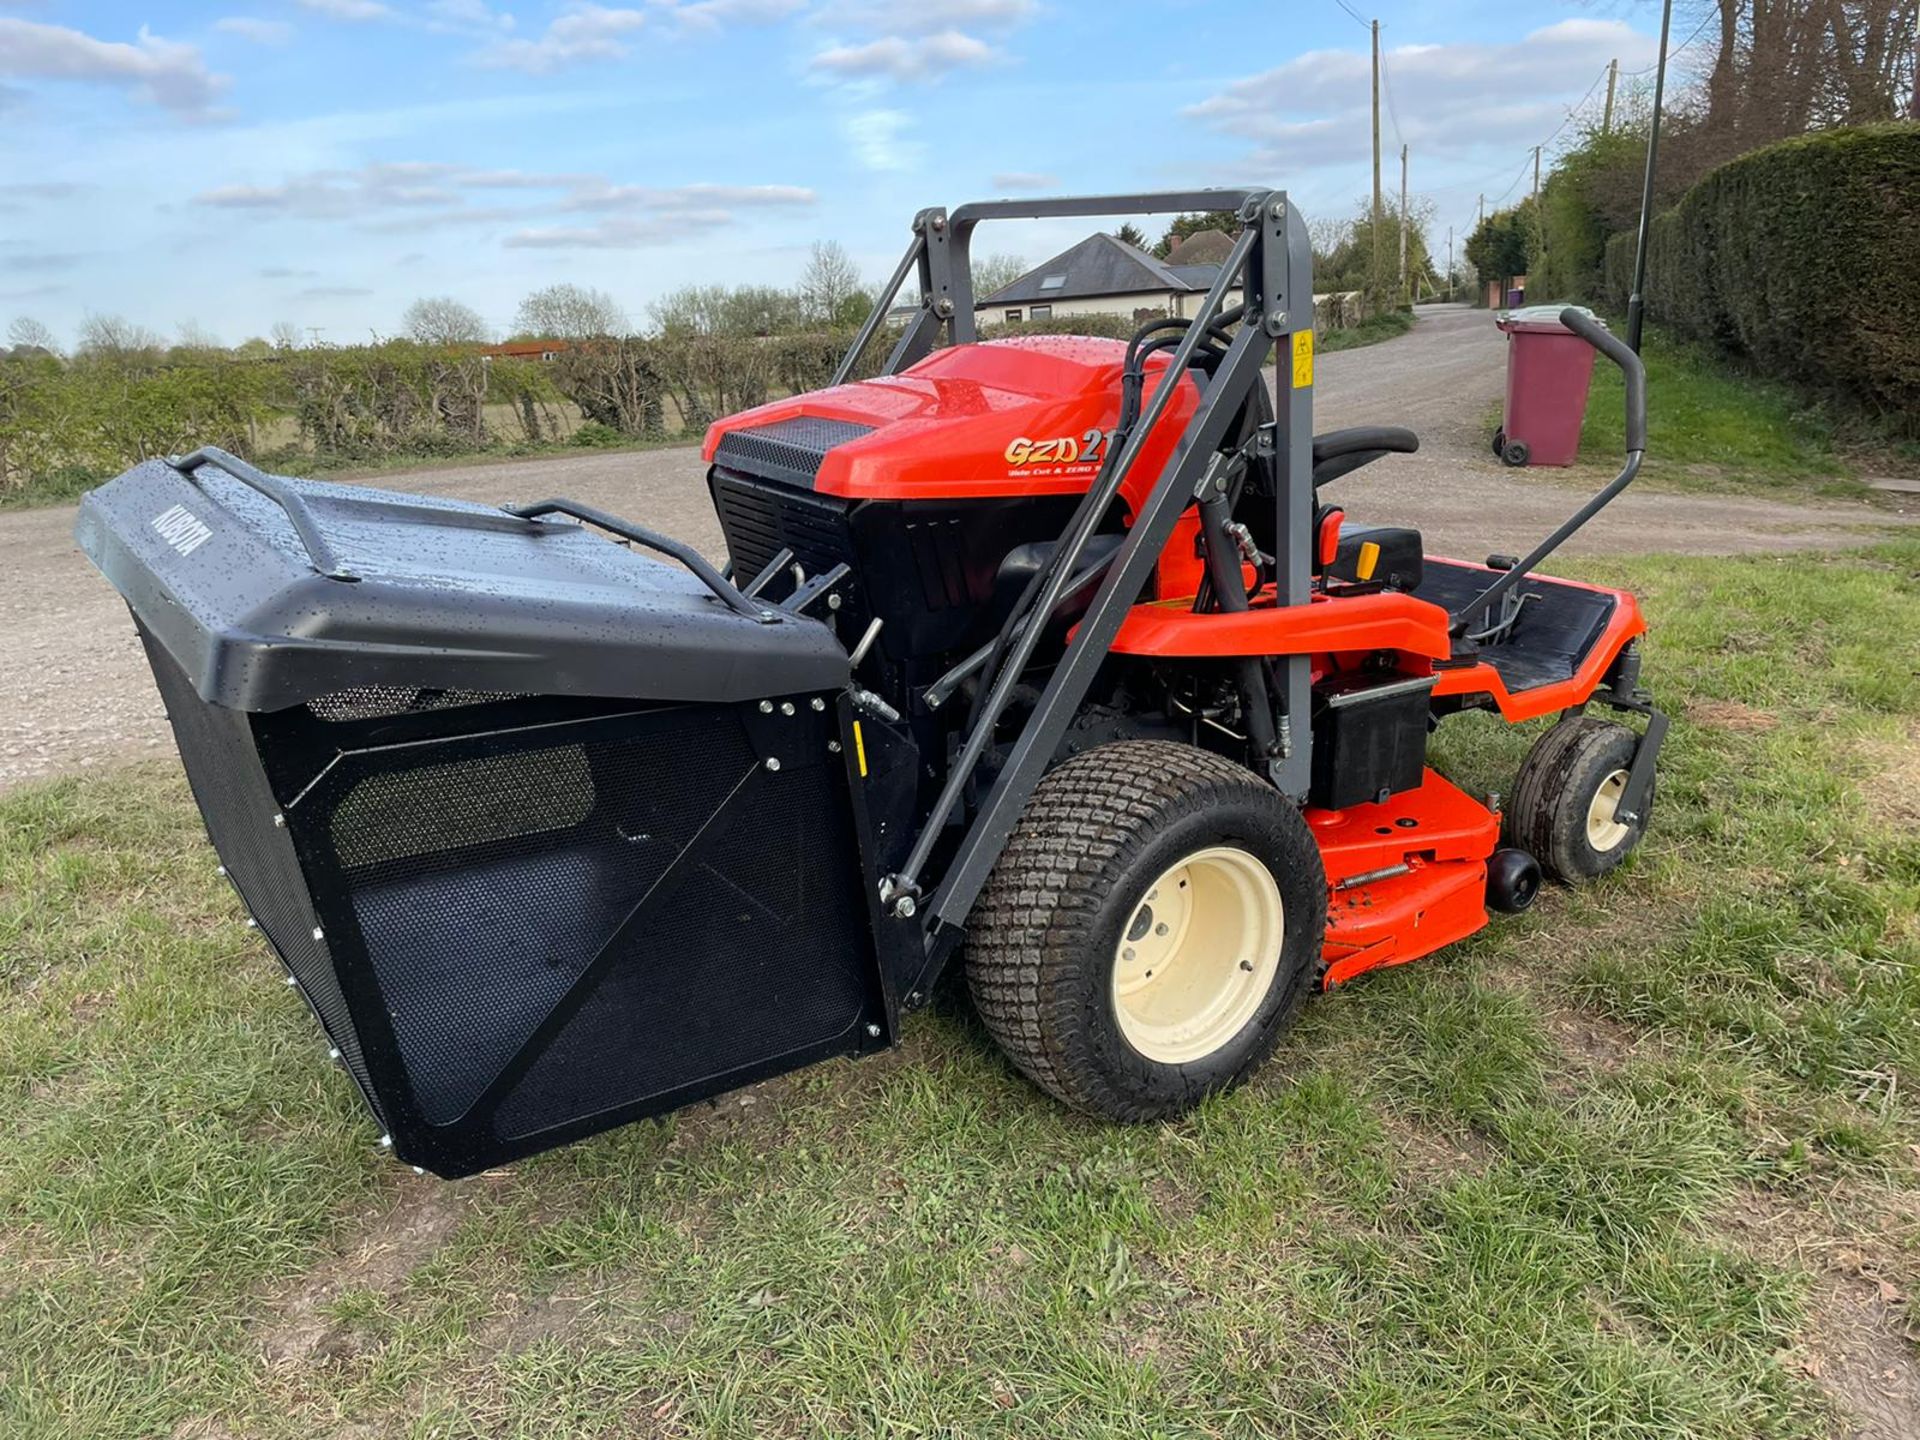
column 1515, row 453
column 1565, row 798
column 1149, row 929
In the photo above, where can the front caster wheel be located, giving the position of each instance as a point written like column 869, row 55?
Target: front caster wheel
column 1515, row 453
column 1148, row 931
column 1566, row 802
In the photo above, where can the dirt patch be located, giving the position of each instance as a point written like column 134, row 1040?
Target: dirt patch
column 1431, row 1158
column 1893, row 796
column 1732, row 715
column 1860, row 1341
column 393, row 1245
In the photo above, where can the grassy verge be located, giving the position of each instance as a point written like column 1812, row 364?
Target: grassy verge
column 1637, row 1164
column 1711, row 427
column 1370, row 331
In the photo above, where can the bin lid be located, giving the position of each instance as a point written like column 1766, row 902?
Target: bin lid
column 1539, row 319
column 450, row 595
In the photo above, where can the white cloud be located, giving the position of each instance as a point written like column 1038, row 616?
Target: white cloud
column 359, row 10
column 1024, row 180
column 165, row 72
column 583, row 33
column 252, row 27
column 469, row 15
column 408, row 197
column 1313, row 109
column 903, row 58
column 878, row 139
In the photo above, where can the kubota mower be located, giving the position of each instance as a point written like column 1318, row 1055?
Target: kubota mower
column 1052, row 657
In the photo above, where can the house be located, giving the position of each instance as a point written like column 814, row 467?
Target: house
column 524, row 350
column 1101, row 275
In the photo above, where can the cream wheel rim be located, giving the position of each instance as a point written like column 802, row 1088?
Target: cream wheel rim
column 1604, row 830
column 1198, row 955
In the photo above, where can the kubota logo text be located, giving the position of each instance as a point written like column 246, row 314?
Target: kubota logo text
column 1066, row 450
column 182, row 529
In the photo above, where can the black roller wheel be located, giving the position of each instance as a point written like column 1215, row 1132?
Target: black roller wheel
column 1499, row 443
column 1566, row 802
column 1515, row 453
column 1149, row 929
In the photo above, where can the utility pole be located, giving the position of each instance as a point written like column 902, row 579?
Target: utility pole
column 1613, row 77
column 1536, row 175
column 1636, row 302
column 1405, row 294
column 1449, row 262
column 1377, row 219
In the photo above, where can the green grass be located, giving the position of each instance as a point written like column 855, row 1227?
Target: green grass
column 1711, row 427
column 1370, row 331
column 1599, row 1172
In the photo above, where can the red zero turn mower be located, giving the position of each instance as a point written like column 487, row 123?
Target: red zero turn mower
column 1048, row 656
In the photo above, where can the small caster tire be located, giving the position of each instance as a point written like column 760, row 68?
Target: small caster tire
column 1513, row 880
column 1499, row 443
column 1515, row 453
column 1565, row 806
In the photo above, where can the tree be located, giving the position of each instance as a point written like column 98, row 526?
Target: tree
column 725, row 310
column 192, row 335
column 1498, row 247
column 569, row 312
column 114, row 337
column 996, row 272
column 285, row 335
column 443, row 320
column 1185, row 225
column 28, row 334
column 1131, row 234
column 830, row 280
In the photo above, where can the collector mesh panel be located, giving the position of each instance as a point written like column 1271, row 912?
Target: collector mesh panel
column 223, row 767
column 761, row 951
column 368, row 702
column 484, row 886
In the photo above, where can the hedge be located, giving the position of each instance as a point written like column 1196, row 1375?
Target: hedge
column 1804, row 258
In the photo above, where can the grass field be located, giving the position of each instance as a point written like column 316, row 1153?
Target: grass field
column 1641, row 1163
column 1710, row 427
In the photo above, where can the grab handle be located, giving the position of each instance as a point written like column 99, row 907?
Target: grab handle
column 653, row 540
column 1618, row 351
column 290, row 501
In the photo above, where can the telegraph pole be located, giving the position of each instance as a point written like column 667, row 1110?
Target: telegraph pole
column 1449, row 262
column 1377, row 219
column 1405, row 294
column 1613, row 77
column 1636, row 302
column 1536, row 175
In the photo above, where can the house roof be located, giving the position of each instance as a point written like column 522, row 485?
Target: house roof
column 1098, row 265
column 1203, row 247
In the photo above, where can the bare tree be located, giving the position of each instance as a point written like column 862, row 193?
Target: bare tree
column 830, row 280
column 285, row 335
column 570, row 312
column 114, row 337
column 192, row 335
column 443, row 320
column 27, row 333
column 996, row 272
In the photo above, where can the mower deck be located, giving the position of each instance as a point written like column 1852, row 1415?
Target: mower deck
column 1404, row 877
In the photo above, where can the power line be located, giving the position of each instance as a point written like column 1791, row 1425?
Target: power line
column 1386, row 81
column 1358, row 18
column 1708, row 19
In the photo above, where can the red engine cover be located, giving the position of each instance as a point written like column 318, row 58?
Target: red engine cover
column 1025, row 416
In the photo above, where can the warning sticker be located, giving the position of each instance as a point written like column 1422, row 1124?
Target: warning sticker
column 1302, row 359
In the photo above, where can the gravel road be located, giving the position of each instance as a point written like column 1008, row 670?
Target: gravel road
column 75, row 693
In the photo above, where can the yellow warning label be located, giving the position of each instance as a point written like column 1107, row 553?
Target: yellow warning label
column 860, row 749
column 1302, row 359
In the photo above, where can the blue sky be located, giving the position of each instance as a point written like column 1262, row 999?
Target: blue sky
column 324, row 162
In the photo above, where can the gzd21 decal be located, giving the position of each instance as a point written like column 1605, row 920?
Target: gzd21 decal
column 1057, row 456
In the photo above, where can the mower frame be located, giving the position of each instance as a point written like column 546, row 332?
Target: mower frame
column 1272, row 265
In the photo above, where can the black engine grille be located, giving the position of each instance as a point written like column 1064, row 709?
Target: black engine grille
column 789, row 449
column 760, row 518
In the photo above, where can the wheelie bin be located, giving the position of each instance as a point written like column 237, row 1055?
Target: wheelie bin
column 1548, row 371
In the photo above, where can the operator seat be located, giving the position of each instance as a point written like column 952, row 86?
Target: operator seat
column 1388, row 555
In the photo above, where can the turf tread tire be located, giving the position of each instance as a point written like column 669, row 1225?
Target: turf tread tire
column 1035, row 934
column 1548, row 814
